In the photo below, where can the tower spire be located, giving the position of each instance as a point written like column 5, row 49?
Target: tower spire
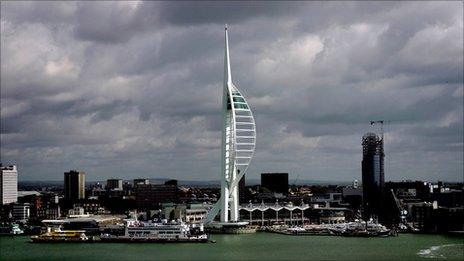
column 227, row 72
column 237, row 145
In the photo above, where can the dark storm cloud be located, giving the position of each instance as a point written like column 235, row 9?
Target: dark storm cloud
column 108, row 22
column 41, row 12
column 133, row 89
column 203, row 12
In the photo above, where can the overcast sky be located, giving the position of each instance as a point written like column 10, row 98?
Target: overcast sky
column 133, row 89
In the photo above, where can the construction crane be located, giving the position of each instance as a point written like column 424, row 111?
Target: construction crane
column 381, row 126
column 402, row 212
column 294, row 182
column 293, row 186
column 381, row 122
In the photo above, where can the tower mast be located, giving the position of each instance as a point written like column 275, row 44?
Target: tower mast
column 237, row 144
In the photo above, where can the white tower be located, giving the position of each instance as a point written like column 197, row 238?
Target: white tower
column 238, row 144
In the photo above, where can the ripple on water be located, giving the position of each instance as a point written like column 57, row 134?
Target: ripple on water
column 453, row 251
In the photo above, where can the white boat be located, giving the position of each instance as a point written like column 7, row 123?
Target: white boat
column 295, row 229
column 369, row 228
column 175, row 231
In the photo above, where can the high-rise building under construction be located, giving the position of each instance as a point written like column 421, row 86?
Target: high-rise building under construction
column 373, row 175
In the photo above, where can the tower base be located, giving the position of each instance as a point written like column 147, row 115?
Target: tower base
column 240, row 227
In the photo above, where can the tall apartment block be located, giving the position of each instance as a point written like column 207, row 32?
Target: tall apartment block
column 8, row 184
column 74, row 185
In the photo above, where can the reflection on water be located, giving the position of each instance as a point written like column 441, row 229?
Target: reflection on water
column 454, row 251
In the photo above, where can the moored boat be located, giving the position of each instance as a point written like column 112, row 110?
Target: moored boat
column 169, row 232
column 58, row 235
column 11, row 230
column 365, row 229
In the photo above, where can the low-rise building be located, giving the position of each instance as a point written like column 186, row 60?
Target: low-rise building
column 21, row 212
column 191, row 213
column 49, row 211
column 77, row 212
column 114, row 184
column 420, row 214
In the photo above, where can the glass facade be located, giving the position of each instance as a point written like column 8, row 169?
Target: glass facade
column 240, row 106
column 372, row 176
column 238, row 99
column 376, row 170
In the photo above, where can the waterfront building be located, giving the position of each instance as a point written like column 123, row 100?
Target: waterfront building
column 373, row 175
column 49, row 211
column 35, row 201
column 76, row 212
column 114, row 184
column 448, row 219
column 74, row 185
column 42, row 205
column 266, row 214
column 8, row 184
column 21, row 212
column 190, row 213
column 420, row 214
column 275, row 182
column 195, row 214
column 353, row 195
column 426, row 206
column 238, row 145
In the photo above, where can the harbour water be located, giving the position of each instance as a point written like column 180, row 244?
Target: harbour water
column 259, row 246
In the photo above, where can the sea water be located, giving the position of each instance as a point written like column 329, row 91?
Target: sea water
column 259, row 246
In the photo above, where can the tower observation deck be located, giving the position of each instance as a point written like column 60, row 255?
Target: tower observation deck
column 238, row 145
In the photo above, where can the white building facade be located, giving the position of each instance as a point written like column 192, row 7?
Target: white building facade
column 9, row 184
